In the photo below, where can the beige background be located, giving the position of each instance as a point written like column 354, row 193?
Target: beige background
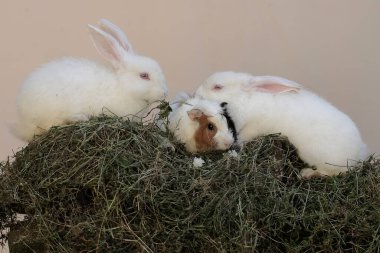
column 330, row 46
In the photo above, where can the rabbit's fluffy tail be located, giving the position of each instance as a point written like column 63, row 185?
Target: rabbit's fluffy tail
column 364, row 152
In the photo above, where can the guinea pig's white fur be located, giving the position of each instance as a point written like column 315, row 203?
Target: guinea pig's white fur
column 324, row 136
column 184, row 123
column 73, row 89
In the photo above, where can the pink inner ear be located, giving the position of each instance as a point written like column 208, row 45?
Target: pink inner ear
column 195, row 114
column 275, row 88
column 217, row 87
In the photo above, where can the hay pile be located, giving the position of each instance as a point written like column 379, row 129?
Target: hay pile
column 110, row 185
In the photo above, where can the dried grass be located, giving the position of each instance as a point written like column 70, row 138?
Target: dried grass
column 111, row 185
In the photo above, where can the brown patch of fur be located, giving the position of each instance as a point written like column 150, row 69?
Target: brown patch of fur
column 204, row 137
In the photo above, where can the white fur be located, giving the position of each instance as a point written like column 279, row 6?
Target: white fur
column 184, row 128
column 198, row 162
column 324, row 136
column 73, row 89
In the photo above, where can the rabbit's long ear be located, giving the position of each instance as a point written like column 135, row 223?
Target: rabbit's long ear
column 271, row 84
column 107, row 46
column 115, row 31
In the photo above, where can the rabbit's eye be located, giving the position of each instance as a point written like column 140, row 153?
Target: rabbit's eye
column 144, row 76
column 210, row 127
column 217, row 87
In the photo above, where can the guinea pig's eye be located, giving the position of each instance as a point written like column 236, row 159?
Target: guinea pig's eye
column 144, row 76
column 210, row 127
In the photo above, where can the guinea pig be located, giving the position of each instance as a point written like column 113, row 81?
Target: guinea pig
column 201, row 125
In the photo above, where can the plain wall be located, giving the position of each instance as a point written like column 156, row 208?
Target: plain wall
column 329, row 46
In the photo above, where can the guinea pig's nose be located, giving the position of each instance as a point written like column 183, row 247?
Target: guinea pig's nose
column 228, row 143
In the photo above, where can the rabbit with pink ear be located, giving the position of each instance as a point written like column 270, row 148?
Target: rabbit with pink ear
column 73, row 89
column 326, row 138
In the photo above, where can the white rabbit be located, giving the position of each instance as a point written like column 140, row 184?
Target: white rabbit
column 325, row 137
column 73, row 89
column 200, row 124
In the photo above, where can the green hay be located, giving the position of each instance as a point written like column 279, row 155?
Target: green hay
column 110, row 185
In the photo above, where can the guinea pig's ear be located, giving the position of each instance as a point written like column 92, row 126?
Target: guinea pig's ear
column 271, row 84
column 195, row 114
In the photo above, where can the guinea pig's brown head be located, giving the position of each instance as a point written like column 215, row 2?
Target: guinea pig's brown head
column 212, row 132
